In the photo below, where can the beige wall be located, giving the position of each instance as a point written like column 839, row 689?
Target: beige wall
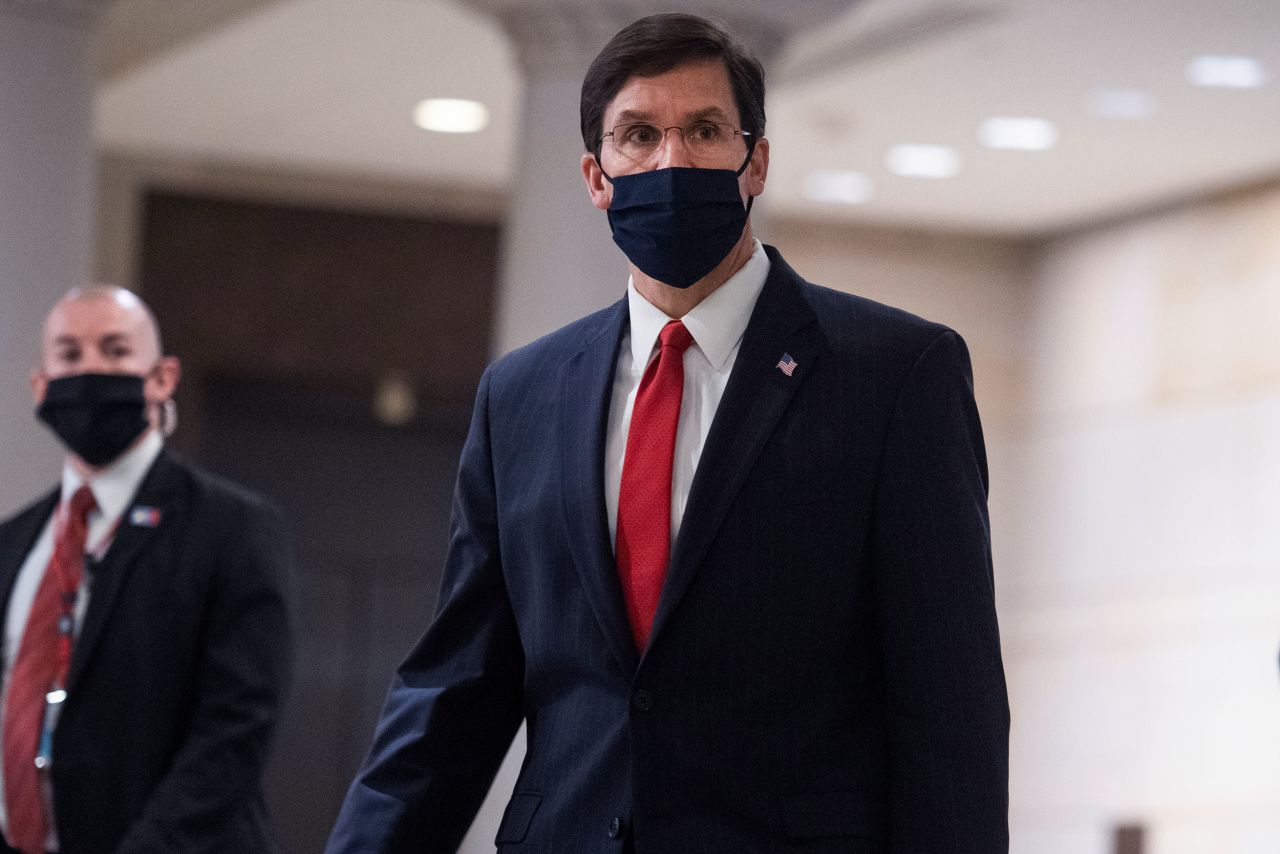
column 1144, row 597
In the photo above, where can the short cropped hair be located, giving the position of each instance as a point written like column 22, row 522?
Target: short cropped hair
column 657, row 44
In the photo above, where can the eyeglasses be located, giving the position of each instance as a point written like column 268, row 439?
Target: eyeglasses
column 706, row 141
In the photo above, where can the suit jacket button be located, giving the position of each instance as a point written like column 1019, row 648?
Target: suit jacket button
column 615, row 827
column 643, row 700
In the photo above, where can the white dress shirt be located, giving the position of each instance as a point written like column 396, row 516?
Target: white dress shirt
column 716, row 324
column 112, row 489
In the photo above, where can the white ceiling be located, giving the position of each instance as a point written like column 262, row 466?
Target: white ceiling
column 329, row 85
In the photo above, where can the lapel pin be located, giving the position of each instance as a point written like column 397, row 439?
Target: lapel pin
column 787, row 364
column 142, row 516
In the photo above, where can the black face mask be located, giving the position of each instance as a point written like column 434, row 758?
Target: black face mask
column 97, row 416
column 677, row 224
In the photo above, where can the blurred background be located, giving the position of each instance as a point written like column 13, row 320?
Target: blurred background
column 342, row 210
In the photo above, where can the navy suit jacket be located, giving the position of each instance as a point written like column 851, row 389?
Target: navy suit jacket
column 177, row 675
column 824, row 672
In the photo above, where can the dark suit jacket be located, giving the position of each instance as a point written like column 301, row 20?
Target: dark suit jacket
column 824, row 673
column 177, row 675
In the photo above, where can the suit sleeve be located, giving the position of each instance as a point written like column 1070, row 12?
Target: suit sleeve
column 456, row 702
column 244, row 670
column 948, row 706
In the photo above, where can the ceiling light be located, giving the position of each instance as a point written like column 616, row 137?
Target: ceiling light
column 1226, row 72
column 451, row 115
column 1132, row 104
column 838, row 185
column 1019, row 134
column 923, row 161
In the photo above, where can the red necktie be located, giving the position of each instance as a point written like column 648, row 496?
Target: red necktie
column 644, row 499
column 43, row 659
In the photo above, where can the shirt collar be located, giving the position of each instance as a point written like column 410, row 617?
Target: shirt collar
column 114, row 487
column 716, row 324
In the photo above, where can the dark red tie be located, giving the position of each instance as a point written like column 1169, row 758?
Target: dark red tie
column 43, row 659
column 644, row 500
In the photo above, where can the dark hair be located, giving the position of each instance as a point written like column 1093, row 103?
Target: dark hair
column 657, row 44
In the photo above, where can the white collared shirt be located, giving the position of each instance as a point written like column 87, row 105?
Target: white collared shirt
column 716, row 324
column 113, row 489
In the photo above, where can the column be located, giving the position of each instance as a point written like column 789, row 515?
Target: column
column 46, row 167
column 558, row 260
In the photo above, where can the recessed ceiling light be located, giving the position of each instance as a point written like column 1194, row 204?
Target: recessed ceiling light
column 1226, row 72
column 838, row 185
column 923, row 161
column 1019, row 134
column 451, row 115
column 1132, row 104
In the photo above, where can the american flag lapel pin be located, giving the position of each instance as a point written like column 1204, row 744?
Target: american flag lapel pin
column 787, row 364
column 142, row 516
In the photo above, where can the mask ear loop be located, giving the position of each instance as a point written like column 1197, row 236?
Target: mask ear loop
column 600, row 150
column 751, row 149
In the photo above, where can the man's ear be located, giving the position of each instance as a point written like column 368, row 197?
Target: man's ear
column 39, row 385
column 598, row 186
column 162, row 382
column 758, row 169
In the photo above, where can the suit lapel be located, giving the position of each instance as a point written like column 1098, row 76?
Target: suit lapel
column 754, row 399
column 586, row 388
column 19, row 539
column 109, row 575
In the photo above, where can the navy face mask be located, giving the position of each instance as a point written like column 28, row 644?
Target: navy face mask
column 97, row 416
column 677, row 224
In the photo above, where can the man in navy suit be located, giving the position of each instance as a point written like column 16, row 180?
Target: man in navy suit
column 722, row 545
